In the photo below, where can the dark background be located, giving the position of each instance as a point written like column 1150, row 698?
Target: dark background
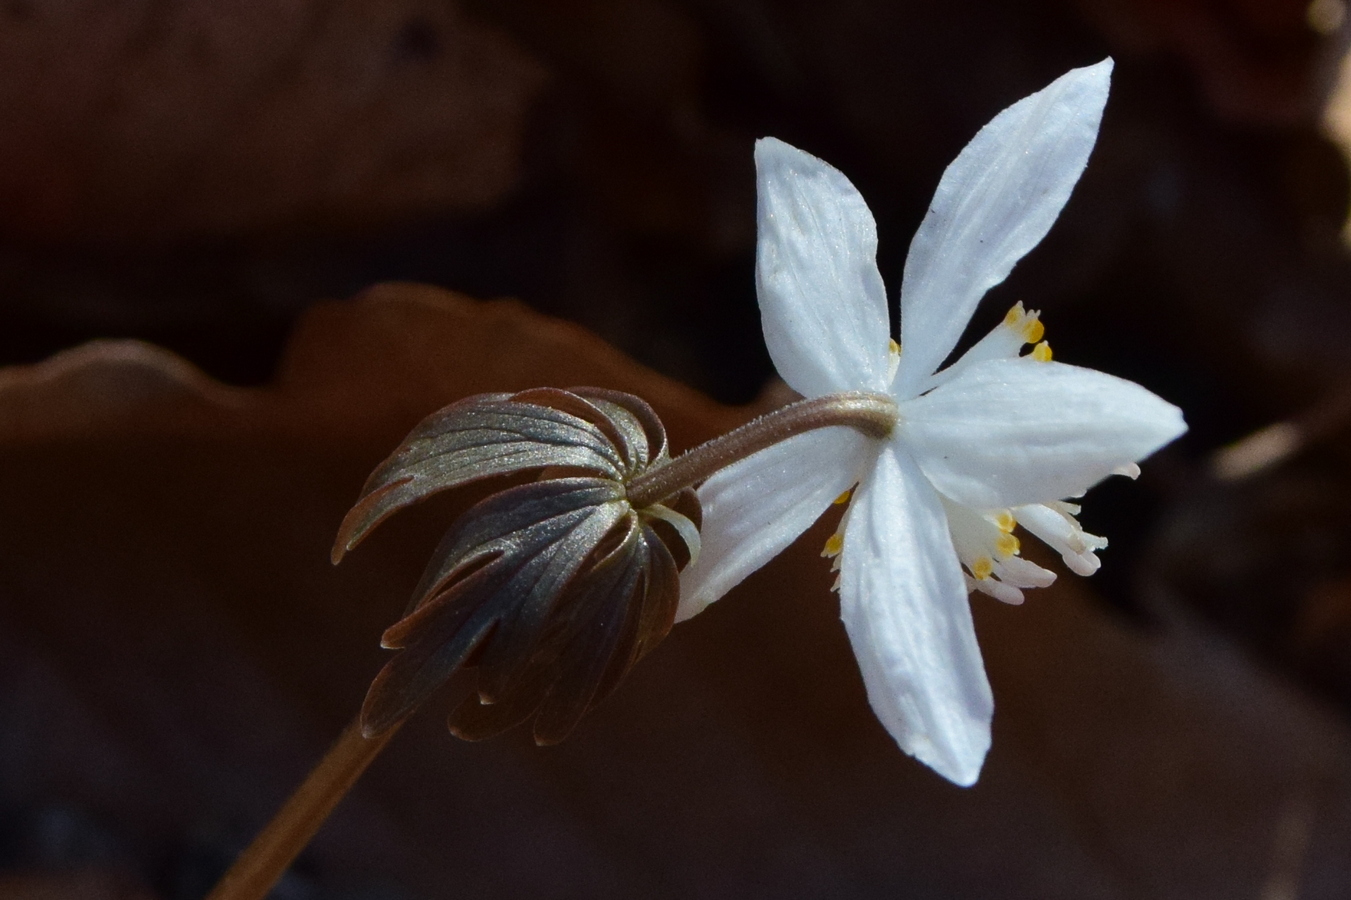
column 200, row 174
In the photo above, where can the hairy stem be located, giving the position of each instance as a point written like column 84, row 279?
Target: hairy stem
column 873, row 414
column 265, row 860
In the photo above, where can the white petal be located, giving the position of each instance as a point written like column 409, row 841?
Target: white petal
column 755, row 508
column 1015, row 431
column 994, row 203
column 822, row 303
column 904, row 605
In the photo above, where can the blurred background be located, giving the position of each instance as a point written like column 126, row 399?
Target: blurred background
column 200, row 188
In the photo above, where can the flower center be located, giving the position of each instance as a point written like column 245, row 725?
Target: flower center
column 988, row 549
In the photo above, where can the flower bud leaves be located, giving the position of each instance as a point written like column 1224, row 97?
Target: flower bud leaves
column 602, row 432
column 550, row 590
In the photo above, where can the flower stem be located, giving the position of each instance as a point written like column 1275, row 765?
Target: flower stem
column 264, row 861
column 872, row 414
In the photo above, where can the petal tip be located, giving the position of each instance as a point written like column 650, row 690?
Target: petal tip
column 1102, row 69
column 691, row 607
column 771, row 151
column 1168, row 423
column 1098, row 76
column 961, row 766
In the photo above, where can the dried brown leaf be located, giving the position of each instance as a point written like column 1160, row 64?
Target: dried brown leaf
column 153, row 120
column 177, row 649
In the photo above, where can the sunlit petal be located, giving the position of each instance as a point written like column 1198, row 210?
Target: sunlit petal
column 753, row 509
column 904, row 605
column 1009, row 432
column 822, row 303
column 994, row 203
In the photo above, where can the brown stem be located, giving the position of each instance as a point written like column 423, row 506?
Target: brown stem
column 265, row 860
column 872, row 414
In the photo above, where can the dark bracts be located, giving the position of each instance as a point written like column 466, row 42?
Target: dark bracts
column 550, row 590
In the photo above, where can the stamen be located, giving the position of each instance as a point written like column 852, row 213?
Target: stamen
column 893, row 358
column 1055, row 524
column 834, row 544
column 1005, row 521
column 1023, row 574
column 843, row 498
column 1042, row 352
column 1006, row 546
column 993, row 587
column 982, row 568
column 1026, row 324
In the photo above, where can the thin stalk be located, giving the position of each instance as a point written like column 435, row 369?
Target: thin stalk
column 264, row 861
column 873, row 414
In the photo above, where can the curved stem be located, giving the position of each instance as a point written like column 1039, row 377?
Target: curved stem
column 873, row 414
column 264, row 861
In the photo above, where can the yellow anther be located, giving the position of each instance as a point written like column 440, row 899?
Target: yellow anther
column 1033, row 330
column 1042, row 352
column 982, row 568
column 843, row 498
column 834, row 545
column 894, row 347
column 1014, row 315
column 1007, row 546
column 1004, row 521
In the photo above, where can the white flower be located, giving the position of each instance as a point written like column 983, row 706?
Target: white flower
column 992, row 440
